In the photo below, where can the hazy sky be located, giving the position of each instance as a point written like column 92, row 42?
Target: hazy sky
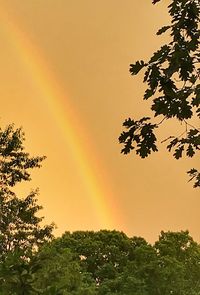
column 65, row 78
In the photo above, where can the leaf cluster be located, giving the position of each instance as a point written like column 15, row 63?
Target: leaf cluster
column 194, row 175
column 190, row 143
column 141, row 134
column 109, row 262
column 15, row 163
column 172, row 77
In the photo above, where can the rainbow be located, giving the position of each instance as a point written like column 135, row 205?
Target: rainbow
column 64, row 114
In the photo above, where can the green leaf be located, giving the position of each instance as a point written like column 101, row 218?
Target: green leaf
column 163, row 30
column 190, row 151
column 178, row 152
column 135, row 68
column 128, row 123
column 148, row 93
column 155, row 1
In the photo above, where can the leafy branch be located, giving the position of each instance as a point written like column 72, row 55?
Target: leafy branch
column 172, row 78
column 141, row 134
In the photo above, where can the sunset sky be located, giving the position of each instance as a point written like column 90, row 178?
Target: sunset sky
column 64, row 78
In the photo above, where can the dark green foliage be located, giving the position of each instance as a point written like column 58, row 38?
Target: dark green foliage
column 19, row 226
column 60, row 273
column 194, row 174
column 20, row 231
column 135, row 68
column 108, row 263
column 102, row 253
column 190, row 144
column 105, row 263
column 172, row 76
column 16, row 275
column 141, row 134
column 14, row 162
column 178, row 257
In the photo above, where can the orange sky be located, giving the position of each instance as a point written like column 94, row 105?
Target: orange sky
column 64, row 78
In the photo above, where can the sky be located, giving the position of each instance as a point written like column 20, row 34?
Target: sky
column 65, row 79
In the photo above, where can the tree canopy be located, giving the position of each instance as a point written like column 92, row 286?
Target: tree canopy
column 172, row 78
column 109, row 262
column 33, row 262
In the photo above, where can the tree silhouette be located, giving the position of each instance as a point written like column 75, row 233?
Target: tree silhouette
column 21, row 232
column 172, row 78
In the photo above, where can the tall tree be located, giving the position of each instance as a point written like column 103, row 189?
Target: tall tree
column 172, row 78
column 178, row 268
column 20, row 230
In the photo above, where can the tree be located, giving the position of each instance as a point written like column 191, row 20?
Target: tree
column 109, row 262
column 19, row 225
column 17, row 274
column 172, row 78
column 20, row 230
column 178, row 264
column 15, row 163
column 60, row 273
column 115, row 262
column 103, row 254
column 133, row 277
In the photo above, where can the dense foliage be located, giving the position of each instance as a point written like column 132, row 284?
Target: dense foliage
column 109, row 262
column 20, row 230
column 32, row 262
column 172, row 78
